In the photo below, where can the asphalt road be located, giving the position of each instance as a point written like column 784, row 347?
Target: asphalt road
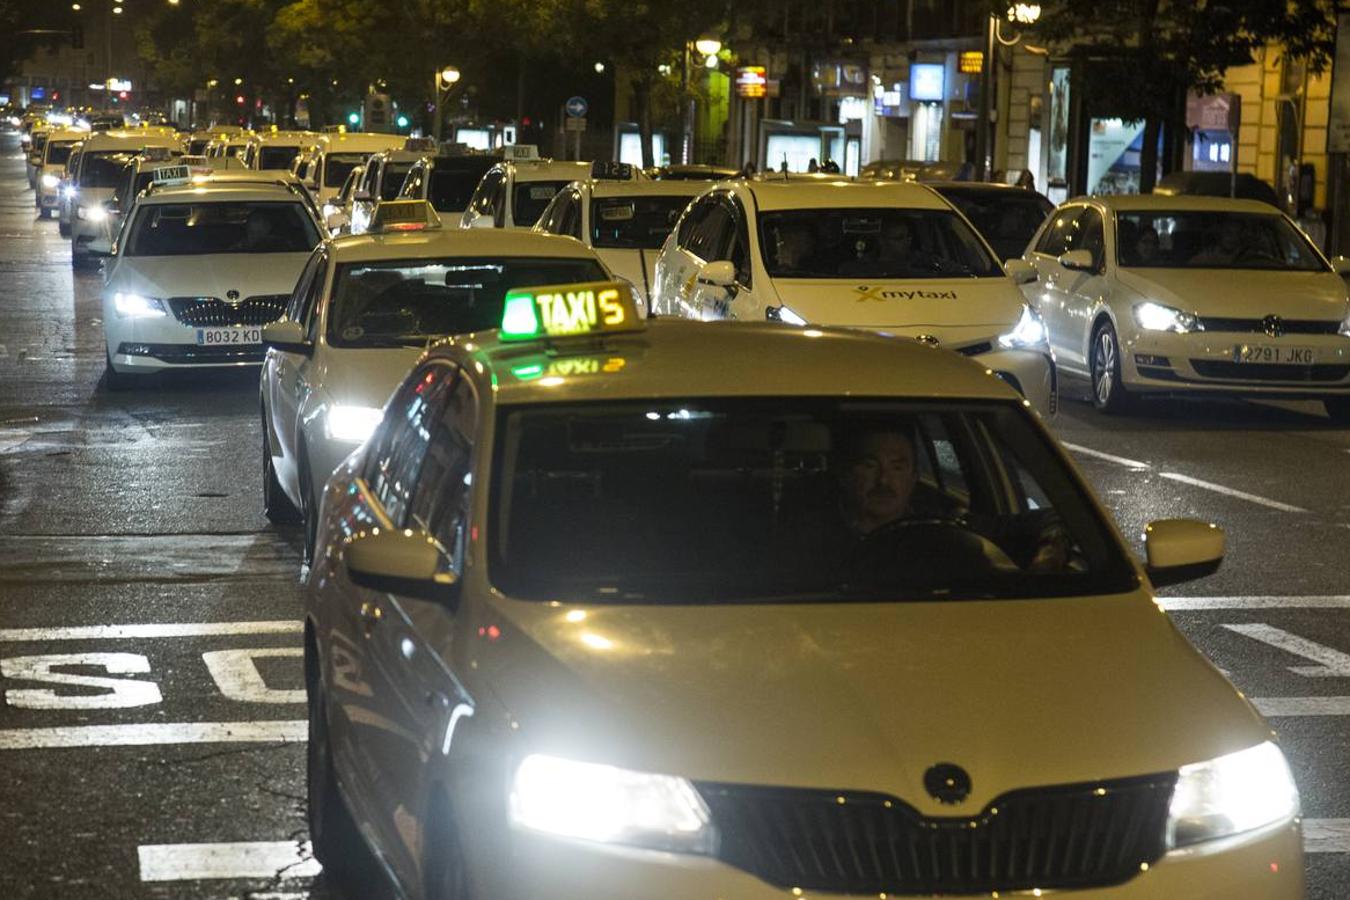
column 134, row 556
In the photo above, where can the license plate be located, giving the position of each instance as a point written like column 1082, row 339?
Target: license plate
column 212, row 337
column 1265, row 353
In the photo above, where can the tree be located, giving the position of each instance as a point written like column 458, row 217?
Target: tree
column 1140, row 58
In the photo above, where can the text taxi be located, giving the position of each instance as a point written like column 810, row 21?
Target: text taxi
column 580, row 628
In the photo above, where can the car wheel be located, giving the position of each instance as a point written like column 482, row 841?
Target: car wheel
column 44, row 212
column 1108, row 392
column 276, row 505
column 333, row 834
column 1338, row 409
column 64, row 229
column 446, row 878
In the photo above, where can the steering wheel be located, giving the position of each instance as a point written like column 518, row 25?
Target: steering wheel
column 925, row 552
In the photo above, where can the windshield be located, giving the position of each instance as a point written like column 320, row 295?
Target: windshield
column 191, row 229
column 391, row 179
column 103, row 169
column 785, row 498
column 872, row 243
column 397, row 303
column 531, row 198
column 451, row 187
column 197, row 146
column 337, row 166
column 634, row 222
column 1007, row 219
column 58, row 152
column 277, row 157
column 1213, row 240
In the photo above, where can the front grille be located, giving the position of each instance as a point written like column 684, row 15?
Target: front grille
column 1071, row 836
column 195, row 354
column 1213, row 368
column 1255, row 326
column 203, row 312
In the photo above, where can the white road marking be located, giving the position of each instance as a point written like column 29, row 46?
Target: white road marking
column 153, row 733
column 118, row 693
column 1326, row 835
column 1232, row 492
column 1256, row 601
column 1279, row 707
column 237, row 675
column 1331, row 663
column 252, row 859
column 1118, row 460
column 156, row 630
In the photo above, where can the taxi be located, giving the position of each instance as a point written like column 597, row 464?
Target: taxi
column 887, row 256
column 364, row 310
column 446, row 181
column 1190, row 295
column 228, row 146
column 614, row 610
column 56, row 152
column 276, row 150
column 337, row 153
column 624, row 220
column 197, row 270
column 102, row 157
column 66, row 190
column 514, row 192
column 337, row 209
column 382, row 179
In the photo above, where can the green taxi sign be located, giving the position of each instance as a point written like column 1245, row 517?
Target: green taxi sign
column 569, row 310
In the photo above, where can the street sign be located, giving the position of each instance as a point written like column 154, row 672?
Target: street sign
column 576, row 107
column 575, row 124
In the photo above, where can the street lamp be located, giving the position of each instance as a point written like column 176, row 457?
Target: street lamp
column 709, row 45
column 446, row 79
column 1023, row 14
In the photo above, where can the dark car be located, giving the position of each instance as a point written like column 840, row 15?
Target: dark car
column 1218, row 184
column 1004, row 215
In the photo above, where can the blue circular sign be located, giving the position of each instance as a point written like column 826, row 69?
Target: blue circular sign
column 576, row 107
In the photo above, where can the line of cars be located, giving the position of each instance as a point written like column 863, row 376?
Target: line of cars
column 560, row 531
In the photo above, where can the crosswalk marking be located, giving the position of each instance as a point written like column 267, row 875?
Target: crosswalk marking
column 251, row 859
column 1326, row 835
column 151, row 630
column 153, row 733
column 1256, row 601
column 1331, row 663
column 1278, row 707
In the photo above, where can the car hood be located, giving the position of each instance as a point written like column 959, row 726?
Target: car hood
column 952, row 310
column 866, row 696
column 213, row 275
column 1245, row 293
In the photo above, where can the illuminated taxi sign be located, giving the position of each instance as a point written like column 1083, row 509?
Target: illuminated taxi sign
column 609, row 170
column 404, row 215
column 519, row 152
column 569, row 310
column 170, row 175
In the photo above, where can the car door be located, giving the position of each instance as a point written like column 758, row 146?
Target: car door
column 711, row 242
column 480, row 204
column 288, row 371
column 1083, row 292
column 374, row 746
column 678, row 266
column 1047, row 294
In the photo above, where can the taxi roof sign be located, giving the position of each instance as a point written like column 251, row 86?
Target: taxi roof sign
column 609, row 170
column 420, row 144
column 569, row 310
column 404, row 215
column 518, row 152
column 165, row 175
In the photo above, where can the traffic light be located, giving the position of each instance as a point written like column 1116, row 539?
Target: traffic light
column 353, row 118
column 402, row 121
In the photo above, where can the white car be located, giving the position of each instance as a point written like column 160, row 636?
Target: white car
column 363, row 311
column 276, row 150
column 636, row 616
column 446, row 182
column 337, row 153
column 885, row 256
column 1191, row 295
column 514, row 192
column 626, row 222
column 102, row 157
column 382, row 179
column 55, row 154
column 337, row 209
column 197, row 270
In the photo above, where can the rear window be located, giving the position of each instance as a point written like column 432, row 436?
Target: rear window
column 339, row 165
column 392, row 179
column 531, row 198
column 634, row 222
column 191, row 229
column 277, row 157
column 451, row 188
column 58, row 152
column 1006, row 219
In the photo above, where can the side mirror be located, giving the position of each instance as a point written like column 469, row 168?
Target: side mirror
column 1021, row 271
column 1342, row 265
column 1078, row 261
column 405, row 562
column 721, row 274
column 1182, row 550
column 286, row 336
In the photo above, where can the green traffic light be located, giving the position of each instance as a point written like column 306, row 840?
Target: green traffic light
column 353, row 118
column 402, row 121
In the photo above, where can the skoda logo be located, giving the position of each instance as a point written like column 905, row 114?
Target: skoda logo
column 947, row 783
column 1272, row 326
column 927, row 339
column 231, row 296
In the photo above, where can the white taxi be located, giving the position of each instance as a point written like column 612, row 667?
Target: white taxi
column 886, row 256
column 197, row 270
column 276, row 150
column 514, row 192
column 446, row 182
column 363, row 311
column 337, row 153
column 382, row 180
column 102, row 158
column 604, row 613
column 55, row 154
column 625, row 221
column 1192, row 295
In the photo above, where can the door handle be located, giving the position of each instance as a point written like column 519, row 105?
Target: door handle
column 370, row 617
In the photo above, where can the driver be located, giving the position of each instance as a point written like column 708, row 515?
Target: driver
column 878, row 479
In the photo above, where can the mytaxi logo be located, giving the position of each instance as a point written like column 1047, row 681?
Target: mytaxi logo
column 875, row 293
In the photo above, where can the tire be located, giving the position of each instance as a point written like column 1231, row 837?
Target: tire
column 1108, row 391
column 333, row 834
column 1338, row 409
column 276, row 505
column 44, row 212
column 64, row 229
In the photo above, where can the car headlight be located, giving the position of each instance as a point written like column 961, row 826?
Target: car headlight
column 351, row 423
column 134, row 306
column 91, row 213
column 69, row 191
column 1345, row 325
column 1028, row 334
column 594, row 802
column 1231, row 794
column 50, row 181
column 1152, row 316
column 783, row 314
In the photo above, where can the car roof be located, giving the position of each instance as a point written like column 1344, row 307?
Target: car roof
column 675, row 358
column 208, row 192
column 127, row 140
column 67, row 134
column 359, row 142
column 546, row 170
column 600, row 187
column 840, row 192
column 285, row 138
column 1177, row 202
column 450, row 241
